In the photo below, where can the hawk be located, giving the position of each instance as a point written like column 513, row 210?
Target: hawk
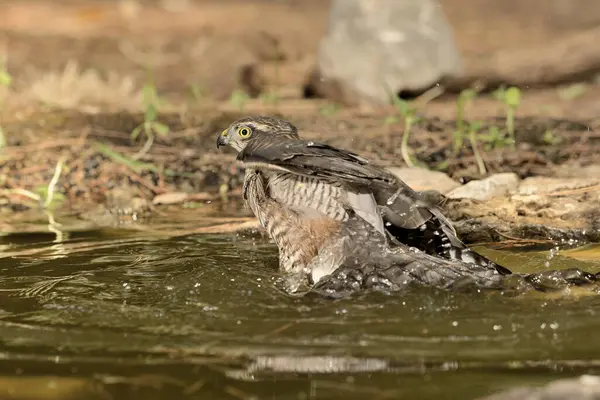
column 335, row 214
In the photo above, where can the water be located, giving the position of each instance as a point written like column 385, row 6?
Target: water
column 113, row 314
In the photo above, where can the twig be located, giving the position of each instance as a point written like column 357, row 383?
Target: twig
column 478, row 158
column 144, row 150
column 516, row 239
column 53, row 182
column 404, row 144
column 23, row 192
column 575, row 191
column 45, row 145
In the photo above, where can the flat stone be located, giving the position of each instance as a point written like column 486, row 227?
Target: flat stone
column 575, row 217
column 423, row 179
column 493, row 186
column 170, row 198
column 585, row 387
column 542, row 184
column 374, row 48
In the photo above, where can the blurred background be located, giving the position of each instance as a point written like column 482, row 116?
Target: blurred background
column 92, row 53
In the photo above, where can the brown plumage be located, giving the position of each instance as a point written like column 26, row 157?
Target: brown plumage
column 297, row 236
column 330, row 210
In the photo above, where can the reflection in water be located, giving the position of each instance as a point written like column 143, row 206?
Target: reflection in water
column 200, row 316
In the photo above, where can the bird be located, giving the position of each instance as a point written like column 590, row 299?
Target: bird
column 342, row 222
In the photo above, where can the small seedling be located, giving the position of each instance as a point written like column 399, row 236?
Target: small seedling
column 550, row 138
column 473, row 129
column 5, row 78
column 329, row 109
column 409, row 115
column 5, row 81
column 391, row 120
column 442, row 165
column 499, row 93
column 198, row 91
column 239, row 99
column 151, row 126
column 512, row 100
column 494, row 138
column 269, row 97
column 573, row 91
column 511, row 97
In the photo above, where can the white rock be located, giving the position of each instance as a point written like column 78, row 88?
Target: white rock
column 376, row 47
column 424, row 179
column 493, row 186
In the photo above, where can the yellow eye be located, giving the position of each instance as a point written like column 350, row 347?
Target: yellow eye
column 244, row 132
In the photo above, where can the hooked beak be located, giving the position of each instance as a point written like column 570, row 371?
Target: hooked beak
column 222, row 139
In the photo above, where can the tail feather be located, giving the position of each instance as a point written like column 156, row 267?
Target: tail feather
column 438, row 238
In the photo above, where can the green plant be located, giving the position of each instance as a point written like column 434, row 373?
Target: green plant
column 5, row 81
column 511, row 97
column 151, row 126
column 5, row 77
column 391, row 120
column 269, row 97
column 573, row 91
column 409, row 115
column 2, row 139
column 238, row 99
column 494, row 138
column 512, row 100
column 464, row 98
column 473, row 129
column 198, row 92
column 550, row 138
column 499, row 93
column 329, row 109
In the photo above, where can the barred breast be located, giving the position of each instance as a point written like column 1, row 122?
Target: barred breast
column 308, row 195
column 298, row 238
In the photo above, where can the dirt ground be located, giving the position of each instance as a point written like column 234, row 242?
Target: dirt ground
column 78, row 68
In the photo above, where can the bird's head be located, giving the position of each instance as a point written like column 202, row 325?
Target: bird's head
column 242, row 131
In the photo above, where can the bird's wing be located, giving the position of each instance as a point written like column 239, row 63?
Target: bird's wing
column 314, row 159
column 410, row 217
column 395, row 200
